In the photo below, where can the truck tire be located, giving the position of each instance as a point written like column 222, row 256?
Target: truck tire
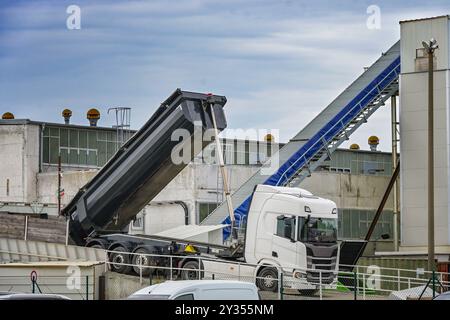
column 307, row 292
column 267, row 279
column 190, row 271
column 145, row 261
column 117, row 257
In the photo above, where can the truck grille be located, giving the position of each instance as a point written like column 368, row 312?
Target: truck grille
column 323, row 259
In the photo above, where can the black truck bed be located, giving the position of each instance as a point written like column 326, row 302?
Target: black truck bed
column 142, row 167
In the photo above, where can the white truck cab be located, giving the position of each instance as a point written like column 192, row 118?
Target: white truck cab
column 198, row 290
column 288, row 231
column 295, row 231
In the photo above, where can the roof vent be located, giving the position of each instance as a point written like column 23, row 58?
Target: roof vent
column 8, row 116
column 373, row 143
column 67, row 114
column 93, row 116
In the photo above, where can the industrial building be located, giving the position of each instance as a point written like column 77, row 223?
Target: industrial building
column 46, row 165
column 354, row 179
column 413, row 132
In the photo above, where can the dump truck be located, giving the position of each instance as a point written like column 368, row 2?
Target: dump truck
column 288, row 230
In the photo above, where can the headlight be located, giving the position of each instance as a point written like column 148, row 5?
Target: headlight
column 299, row 275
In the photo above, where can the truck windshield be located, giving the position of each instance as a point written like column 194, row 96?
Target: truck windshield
column 317, row 230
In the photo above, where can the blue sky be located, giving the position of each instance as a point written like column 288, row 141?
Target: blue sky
column 278, row 62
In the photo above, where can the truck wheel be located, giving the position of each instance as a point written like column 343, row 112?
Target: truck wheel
column 190, row 271
column 267, row 279
column 117, row 259
column 144, row 261
column 307, row 292
column 97, row 246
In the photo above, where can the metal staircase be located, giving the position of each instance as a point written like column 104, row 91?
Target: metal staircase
column 319, row 139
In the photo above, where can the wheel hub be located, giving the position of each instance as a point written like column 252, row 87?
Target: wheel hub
column 268, row 281
column 118, row 258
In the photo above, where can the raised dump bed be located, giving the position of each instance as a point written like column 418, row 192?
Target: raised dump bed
column 143, row 166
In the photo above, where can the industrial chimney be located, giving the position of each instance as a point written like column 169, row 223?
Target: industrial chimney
column 8, row 116
column 373, row 143
column 67, row 114
column 93, row 116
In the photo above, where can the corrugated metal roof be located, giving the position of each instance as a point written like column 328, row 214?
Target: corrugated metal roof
column 423, row 19
column 54, row 124
column 52, row 264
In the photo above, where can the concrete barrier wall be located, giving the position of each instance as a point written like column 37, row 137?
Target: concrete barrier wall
column 120, row 286
column 14, row 250
column 52, row 229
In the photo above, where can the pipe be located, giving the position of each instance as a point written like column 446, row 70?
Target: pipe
column 182, row 204
column 25, row 237
column 431, row 263
column 394, row 162
column 186, row 211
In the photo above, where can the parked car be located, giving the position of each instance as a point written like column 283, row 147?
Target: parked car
column 7, row 293
column 443, row 296
column 198, row 290
column 33, row 296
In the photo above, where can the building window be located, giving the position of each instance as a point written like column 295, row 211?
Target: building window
column 78, row 147
column 339, row 170
column 240, row 152
column 354, row 223
column 138, row 223
column 204, row 209
column 376, row 167
column 228, row 153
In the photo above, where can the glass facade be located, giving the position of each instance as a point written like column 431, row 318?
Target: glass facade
column 240, row 152
column 354, row 223
column 359, row 162
column 78, row 147
column 204, row 209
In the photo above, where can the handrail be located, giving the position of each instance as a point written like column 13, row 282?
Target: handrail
column 394, row 68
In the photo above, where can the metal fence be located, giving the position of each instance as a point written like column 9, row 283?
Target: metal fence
column 347, row 283
column 73, row 287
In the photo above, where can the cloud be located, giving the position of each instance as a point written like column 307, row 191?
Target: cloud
column 278, row 62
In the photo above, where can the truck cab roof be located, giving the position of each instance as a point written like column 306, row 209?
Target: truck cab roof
column 294, row 200
column 298, row 192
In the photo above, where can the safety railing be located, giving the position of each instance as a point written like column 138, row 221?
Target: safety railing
column 363, row 282
column 321, row 140
column 76, row 287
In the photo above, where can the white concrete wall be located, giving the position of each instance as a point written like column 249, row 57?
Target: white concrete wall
column 71, row 182
column 19, row 145
column 414, row 132
column 198, row 183
column 350, row 191
column 161, row 215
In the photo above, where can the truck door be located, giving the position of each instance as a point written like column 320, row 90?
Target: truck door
column 284, row 245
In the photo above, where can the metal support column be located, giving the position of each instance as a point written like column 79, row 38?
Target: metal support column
column 226, row 187
column 394, row 163
column 430, row 46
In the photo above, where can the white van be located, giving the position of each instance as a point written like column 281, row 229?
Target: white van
column 198, row 290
